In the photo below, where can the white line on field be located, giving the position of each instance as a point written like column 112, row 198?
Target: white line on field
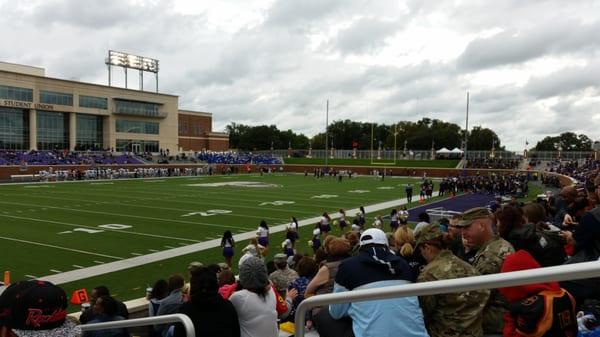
column 30, row 276
column 122, row 215
column 99, row 262
column 153, row 250
column 59, row 247
column 182, row 244
column 169, row 247
column 110, row 230
column 78, row 266
column 55, row 271
column 136, row 254
column 79, row 274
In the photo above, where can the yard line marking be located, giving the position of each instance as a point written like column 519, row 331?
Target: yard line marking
column 61, row 248
column 170, row 247
column 30, row 277
column 182, row 244
column 136, row 288
column 153, row 250
column 79, row 274
column 78, row 266
column 55, row 271
column 124, row 215
column 98, row 262
column 110, row 230
column 136, row 254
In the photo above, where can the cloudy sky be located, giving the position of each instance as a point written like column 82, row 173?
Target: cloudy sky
column 532, row 67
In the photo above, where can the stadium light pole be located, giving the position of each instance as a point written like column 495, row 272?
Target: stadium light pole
column 467, row 129
column 326, row 132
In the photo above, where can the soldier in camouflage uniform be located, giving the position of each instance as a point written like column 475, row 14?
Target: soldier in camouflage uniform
column 284, row 276
column 476, row 225
column 448, row 315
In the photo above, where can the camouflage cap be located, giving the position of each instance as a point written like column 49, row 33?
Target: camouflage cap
column 428, row 233
column 470, row 215
column 280, row 257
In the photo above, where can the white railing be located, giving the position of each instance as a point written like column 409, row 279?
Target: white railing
column 558, row 273
column 130, row 323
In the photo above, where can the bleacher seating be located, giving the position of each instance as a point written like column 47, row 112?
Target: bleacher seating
column 238, row 158
column 65, row 158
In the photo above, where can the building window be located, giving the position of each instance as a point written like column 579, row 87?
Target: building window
column 197, row 130
column 149, row 128
column 137, row 146
column 93, row 102
column 137, row 108
column 52, row 130
column 51, row 97
column 14, row 129
column 16, row 93
column 183, row 128
column 89, row 132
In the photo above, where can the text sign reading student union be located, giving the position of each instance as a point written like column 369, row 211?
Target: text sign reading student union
column 25, row 105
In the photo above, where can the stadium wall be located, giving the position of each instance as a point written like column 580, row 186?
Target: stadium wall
column 6, row 172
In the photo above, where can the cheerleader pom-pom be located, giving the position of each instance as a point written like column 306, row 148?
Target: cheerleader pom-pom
column 336, row 223
column 310, row 243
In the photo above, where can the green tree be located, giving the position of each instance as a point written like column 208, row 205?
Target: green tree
column 568, row 140
column 482, row 139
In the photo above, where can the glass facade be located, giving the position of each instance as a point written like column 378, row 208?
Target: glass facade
column 93, row 102
column 14, row 129
column 52, row 130
column 133, row 145
column 51, row 97
column 16, row 93
column 149, row 128
column 89, row 132
column 137, row 108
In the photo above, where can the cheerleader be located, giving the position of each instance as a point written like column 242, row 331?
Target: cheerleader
column 378, row 223
column 227, row 243
column 324, row 225
column 292, row 231
column 315, row 243
column 394, row 224
column 262, row 234
column 403, row 216
column 288, row 247
column 361, row 217
column 342, row 221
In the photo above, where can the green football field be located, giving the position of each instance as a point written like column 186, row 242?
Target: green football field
column 51, row 228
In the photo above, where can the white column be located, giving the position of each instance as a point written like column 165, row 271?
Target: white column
column 32, row 129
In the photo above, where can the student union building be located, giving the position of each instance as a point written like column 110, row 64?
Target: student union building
column 43, row 113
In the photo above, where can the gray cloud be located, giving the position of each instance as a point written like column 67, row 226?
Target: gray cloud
column 272, row 71
column 366, row 35
column 511, row 47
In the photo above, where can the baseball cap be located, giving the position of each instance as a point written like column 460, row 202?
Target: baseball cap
column 469, row 216
column 373, row 236
column 37, row 309
column 427, row 233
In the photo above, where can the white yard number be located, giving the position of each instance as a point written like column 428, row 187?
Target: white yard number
column 209, row 212
column 112, row 226
column 277, row 203
column 325, row 196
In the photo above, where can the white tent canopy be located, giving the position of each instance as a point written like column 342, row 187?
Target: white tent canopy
column 443, row 151
column 456, row 150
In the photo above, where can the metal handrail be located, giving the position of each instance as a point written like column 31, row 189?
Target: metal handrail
column 557, row 273
column 130, row 323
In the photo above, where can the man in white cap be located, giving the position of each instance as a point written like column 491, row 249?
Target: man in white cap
column 376, row 266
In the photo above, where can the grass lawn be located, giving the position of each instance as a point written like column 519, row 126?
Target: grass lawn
column 367, row 162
